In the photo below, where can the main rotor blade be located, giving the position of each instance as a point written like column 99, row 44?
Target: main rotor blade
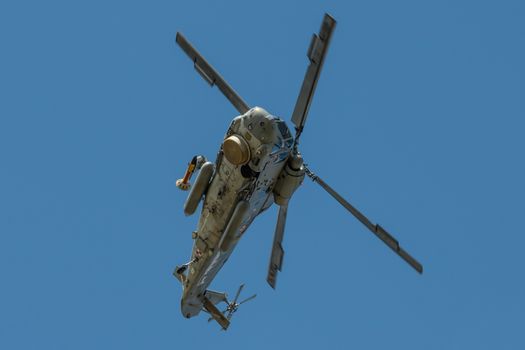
column 211, row 76
column 276, row 258
column 380, row 232
column 316, row 54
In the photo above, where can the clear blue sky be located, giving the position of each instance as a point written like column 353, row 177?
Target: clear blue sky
column 418, row 120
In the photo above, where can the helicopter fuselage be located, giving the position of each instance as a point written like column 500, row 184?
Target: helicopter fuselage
column 241, row 187
column 258, row 164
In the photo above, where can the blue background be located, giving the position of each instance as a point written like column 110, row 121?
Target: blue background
column 418, row 120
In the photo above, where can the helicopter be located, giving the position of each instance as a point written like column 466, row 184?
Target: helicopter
column 257, row 165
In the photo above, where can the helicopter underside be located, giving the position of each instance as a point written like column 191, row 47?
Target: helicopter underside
column 259, row 163
column 227, row 189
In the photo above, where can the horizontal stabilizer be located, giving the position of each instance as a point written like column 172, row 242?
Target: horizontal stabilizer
column 215, row 297
column 216, row 314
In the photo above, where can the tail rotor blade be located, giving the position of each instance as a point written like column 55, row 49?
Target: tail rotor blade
column 230, row 315
column 238, row 293
column 380, row 232
column 276, row 258
column 248, row 299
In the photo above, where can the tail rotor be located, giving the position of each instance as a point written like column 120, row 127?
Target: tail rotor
column 233, row 306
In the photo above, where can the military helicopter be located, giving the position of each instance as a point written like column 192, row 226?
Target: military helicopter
column 258, row 164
